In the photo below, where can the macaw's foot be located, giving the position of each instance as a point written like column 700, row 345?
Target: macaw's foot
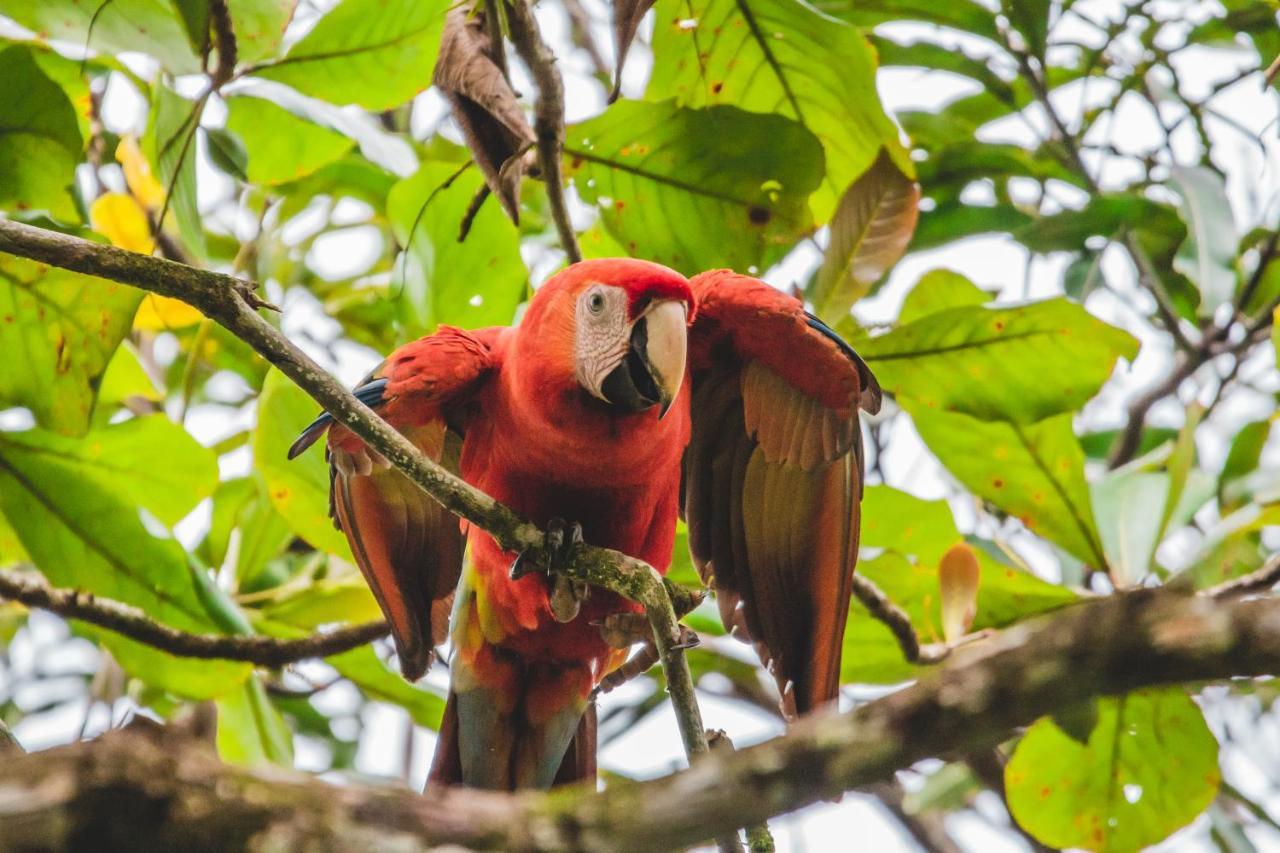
column 615, row 628
column 567, row 594
column 624, row 630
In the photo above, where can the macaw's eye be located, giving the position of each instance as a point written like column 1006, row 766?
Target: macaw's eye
column 595, row 302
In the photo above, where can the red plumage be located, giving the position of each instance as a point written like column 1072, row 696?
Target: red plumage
column 770, row 402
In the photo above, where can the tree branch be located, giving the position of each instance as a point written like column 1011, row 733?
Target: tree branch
column 136, row 625
column 972, row 702
column 548, row 117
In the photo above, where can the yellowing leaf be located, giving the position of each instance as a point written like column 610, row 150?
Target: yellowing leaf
column 120, row 219
column 137, row 173
column 958, row 576
column 160, row 313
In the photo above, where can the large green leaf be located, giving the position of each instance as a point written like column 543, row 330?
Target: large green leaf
column 1034, row 472
column 478, row 282
column 251, row 729
column 282, row 147
column 1149, row 766
column 1103, row 215
column 938, row 290
column 147, row 26
column 123, row 457
column 259, row 26
column 1207, row 256
column 39, row 138
column 780, row 57
column 964, row 15
column 58, row 331
column 68, row 505
column 171, row 147
column 697, row 189
column 1129, row 527
column 299, row 489
column 1020, row 364
column 375, row 53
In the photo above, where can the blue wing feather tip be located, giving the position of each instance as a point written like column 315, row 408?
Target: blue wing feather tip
column 369, row 393
column 870, row 397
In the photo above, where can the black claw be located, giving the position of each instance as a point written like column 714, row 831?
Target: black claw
column 520, row 567
column 689, row 639
column 561, row 538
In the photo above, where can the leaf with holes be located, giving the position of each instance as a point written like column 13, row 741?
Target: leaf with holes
column 1148, row 768
column 870, row 230
column 470, row 74
column 1019, row 364
column 375, row 53
column 1033, row 472
column 697, row 189
column 780, row 57
column 57, row 332
column 477, row 282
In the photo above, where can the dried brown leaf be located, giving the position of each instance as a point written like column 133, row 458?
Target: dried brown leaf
column 470, row 74
column 627, row 15
column 958, row 578
column 870, row 230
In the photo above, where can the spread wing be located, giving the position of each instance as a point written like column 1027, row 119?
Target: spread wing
column 408, row 547
column 773, row 476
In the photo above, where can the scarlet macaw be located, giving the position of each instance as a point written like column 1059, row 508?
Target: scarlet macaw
column 626, row 396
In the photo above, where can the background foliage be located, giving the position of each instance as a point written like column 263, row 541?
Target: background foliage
column 142, row 452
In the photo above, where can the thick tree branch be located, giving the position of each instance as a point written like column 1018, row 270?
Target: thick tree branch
column 136, row 625
column 548, row 116
column 972, row 702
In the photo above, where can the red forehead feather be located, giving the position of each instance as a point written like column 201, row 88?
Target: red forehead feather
column 644, row 281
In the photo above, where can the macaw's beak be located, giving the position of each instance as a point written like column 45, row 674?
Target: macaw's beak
column 653, row 368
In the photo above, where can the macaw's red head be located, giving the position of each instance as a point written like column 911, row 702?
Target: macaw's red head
column 617, row 326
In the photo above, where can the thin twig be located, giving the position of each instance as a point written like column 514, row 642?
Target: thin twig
column 131, row 622
column 549, row 117
column 580, row 32
column 1256, row 581
column 225, row 37
column 929, row 830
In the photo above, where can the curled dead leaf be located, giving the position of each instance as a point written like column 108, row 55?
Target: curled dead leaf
column 470, row 74
column 627, row 15
column 870, row 230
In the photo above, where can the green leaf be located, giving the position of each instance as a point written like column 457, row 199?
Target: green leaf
column 11, row 550
column 779, row 57
column 259, row 26
column 964, row 15
column 58, row 331
column 1130, row 529
column 1031, row 18
column 471, row 284
column 1102, row 216
column 898, row 521
column 950, row 221
column 282, row 147
column 697, row 189
column 324, row 602
column 869, row 232
column 123, row 456
column 228, row 153
column 40, row 141
column 299, row 489
column 1233, row 547
column 170, row 144
column 250, row 729
column 194, row 15
column 1208, row 254
column 67, row 504
column 1150, row 767
column 363, row 669
column 147, row 26
column 1242, row 460
column 1020, row 364
column 938, row 290
column 1034, row 472
column 375, row 53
